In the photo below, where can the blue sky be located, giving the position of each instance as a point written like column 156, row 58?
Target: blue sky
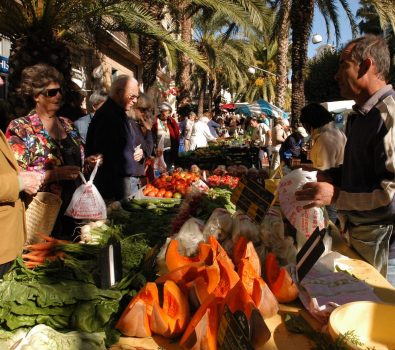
column 320, row 28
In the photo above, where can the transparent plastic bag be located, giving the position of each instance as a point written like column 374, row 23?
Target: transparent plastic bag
column 87, row 203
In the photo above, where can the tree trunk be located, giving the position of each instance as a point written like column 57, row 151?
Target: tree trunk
column 150, row 47
column 302, row 12
column 282, row 54
column 184, row 73
column 211, row 85
column 202, row 94
column 149, row 52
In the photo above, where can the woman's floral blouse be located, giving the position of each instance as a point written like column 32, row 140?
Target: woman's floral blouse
column 35, row 149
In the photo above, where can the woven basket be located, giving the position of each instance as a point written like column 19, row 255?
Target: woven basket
column 41, row 215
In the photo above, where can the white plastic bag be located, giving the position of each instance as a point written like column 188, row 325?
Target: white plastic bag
column 160, row 165
column 219, row 225
column 304, row 220
column 87, row 203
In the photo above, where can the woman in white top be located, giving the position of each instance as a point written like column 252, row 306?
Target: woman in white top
column 201, row 134
column 190, row 122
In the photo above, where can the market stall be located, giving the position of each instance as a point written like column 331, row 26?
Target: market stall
column 191, row 245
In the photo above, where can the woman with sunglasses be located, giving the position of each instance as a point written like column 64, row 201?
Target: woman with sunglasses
column 46, row 143
column 140, row 124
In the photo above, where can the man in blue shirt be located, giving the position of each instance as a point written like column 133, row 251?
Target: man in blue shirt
column 82, row 124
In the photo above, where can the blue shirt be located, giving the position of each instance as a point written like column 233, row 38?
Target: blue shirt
column 82, row 125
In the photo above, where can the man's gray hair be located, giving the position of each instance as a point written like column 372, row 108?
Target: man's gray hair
column 374, row 47
column 120, row 82
column 97, row 97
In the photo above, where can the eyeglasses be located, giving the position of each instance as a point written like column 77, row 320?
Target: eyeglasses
column 51, row 92
column 132, row 97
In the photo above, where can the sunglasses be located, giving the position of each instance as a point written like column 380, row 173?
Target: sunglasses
column 52, row 92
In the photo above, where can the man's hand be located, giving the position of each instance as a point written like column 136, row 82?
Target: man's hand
column 138, row 154
column 318, row 194
column 31, row 181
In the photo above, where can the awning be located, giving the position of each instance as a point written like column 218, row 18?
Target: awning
column 260, row 106
column 227, row 106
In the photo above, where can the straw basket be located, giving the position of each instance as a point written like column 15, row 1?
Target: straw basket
column 41, row 215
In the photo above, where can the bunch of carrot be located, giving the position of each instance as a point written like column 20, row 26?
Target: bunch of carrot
column 40, row 252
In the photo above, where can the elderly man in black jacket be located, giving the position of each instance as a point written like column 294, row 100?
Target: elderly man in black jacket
column 110, row 134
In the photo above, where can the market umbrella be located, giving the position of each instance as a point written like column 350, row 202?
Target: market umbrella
column 260, row 106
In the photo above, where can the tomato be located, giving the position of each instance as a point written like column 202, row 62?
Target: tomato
column 151, row 194
column 168, row 194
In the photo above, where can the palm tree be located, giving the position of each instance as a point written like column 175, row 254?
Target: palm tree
column 228, row 57
column 386, row 11
column 247, row 14
column 41, row 30
column 302, row 12
column 281, row 36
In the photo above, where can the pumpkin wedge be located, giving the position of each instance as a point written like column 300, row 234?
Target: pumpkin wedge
column 279, row 280
column 257, row 289
column 175, row 260
column 135, row 319
column 201, row 333
column 203, row 285
column 228, row 276
column 239, row 300
column 171, row 319
column 244, row 249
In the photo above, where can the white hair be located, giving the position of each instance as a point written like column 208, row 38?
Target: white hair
column 120, row 82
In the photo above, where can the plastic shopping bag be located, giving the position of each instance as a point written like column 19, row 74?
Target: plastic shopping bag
column 87, row 203
column 304, row 220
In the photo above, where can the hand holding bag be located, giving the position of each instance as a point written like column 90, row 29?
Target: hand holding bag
column 87, row 203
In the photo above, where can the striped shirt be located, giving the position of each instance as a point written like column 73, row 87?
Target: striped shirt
column 367, row 185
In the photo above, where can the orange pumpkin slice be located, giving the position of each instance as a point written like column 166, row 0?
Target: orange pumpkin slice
column 244, row 249
column 202, row 330
column 279, row 280
column 228, row 276
column 257, row 289
column 171, row 319
column 175, row 260
column 134, row 321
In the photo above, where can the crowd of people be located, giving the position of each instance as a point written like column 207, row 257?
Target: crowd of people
column 45, row 151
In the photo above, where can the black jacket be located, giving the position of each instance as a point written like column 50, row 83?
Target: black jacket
column 110, row 134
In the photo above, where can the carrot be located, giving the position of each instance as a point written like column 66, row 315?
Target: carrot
column 34, row 258
column 41, row 246
column 46, row 238
column 40, row 252
column 31, row 264
column 52, row 239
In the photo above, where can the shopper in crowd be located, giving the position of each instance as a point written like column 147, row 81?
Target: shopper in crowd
column 73, row 106
column 279, row 135
column 261, row 137
column 327, row 140
column 212, row 125
column 110, row 134
column 12, row 221
column 141, row 124
column 293, row 145
column 166, row 135
column 47, row 143
column 363, row 187
column 201, row 134
column 263, row 118
column 82, row 124
column 190, row 121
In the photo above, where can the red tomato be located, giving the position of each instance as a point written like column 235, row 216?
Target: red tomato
column 168, row 194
